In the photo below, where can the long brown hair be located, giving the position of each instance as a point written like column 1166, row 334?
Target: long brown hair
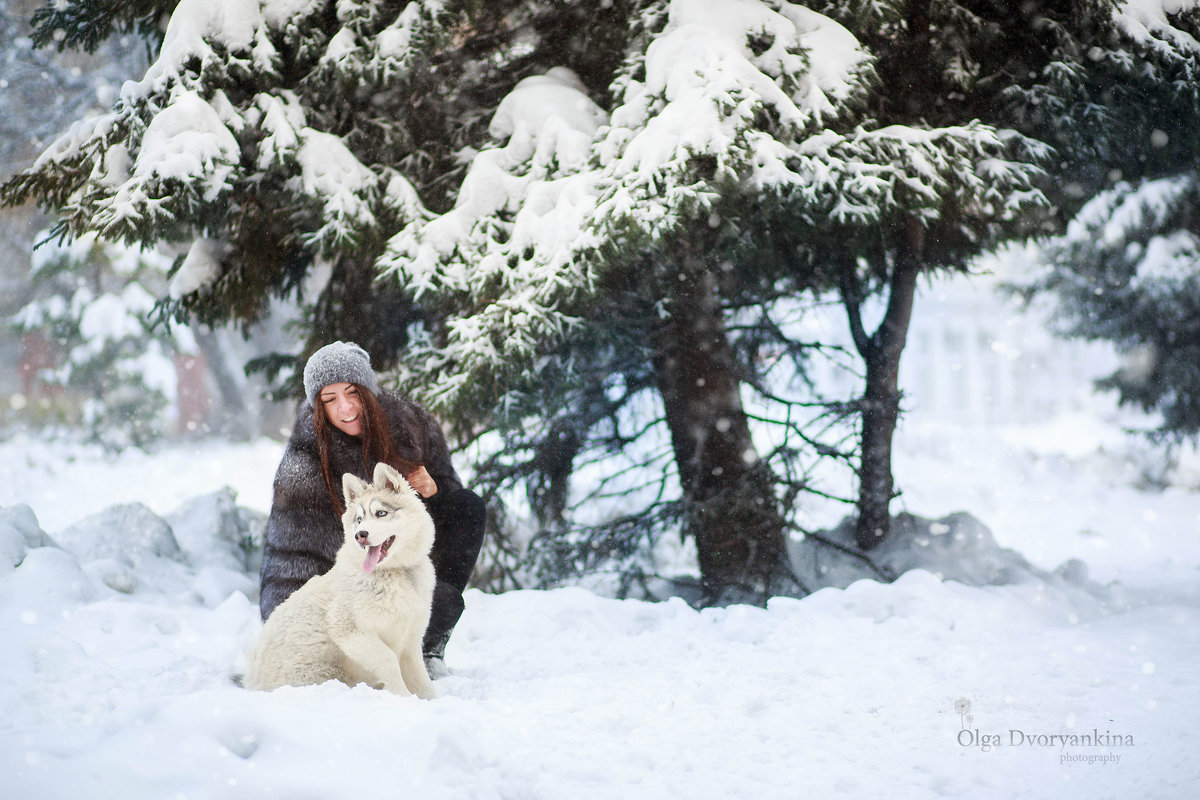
column 377, row 443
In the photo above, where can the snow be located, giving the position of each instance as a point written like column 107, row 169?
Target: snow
column 200, row 268
column 53, row 251
column 703, row 87
column 111, row 317
column 122, row 641
column 197, row 25
column 282, row 118
column 76, row 137
column 331, row 174
column 1130, row 217
column 1147, row 21
column 834, row 53
column 64, row 483
column 547, row 123
column 187, row 139
column 1169, row 260
column 1045, row 645
column 547, row 119
column 392, row 49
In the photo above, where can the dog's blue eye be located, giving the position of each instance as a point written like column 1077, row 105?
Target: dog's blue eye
column 381, row 513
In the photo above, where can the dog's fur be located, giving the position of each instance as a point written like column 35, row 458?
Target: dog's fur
column 362, row 621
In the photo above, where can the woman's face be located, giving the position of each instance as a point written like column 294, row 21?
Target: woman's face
column 343, row 407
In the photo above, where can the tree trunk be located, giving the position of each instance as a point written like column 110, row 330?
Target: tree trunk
column 880, row 403
column 236, row 418
column 730, row 504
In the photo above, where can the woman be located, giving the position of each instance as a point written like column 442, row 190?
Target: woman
column 346, row 424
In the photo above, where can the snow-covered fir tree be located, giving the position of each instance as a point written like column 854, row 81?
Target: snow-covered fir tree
column 965, row 138
column 261, row 134
column 95, row 302
column 1127, row 267
column 1065, row 84
column 591, row 217
column 739, row 165
column 1127, row 271
column 41, row 93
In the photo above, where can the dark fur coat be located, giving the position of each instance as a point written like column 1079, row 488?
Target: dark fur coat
column 304, row 530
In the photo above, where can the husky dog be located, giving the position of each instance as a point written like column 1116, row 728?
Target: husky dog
column 362, row 621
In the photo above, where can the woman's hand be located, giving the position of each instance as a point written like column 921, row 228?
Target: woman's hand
column 421, row 480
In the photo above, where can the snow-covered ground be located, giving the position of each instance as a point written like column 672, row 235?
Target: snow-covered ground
column 920, row 688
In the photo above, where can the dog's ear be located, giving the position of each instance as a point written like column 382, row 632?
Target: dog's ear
column 352, row 487
column 386, row 477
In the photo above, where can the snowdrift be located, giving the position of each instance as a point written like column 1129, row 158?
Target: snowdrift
column 124, row 631
column 957, row 547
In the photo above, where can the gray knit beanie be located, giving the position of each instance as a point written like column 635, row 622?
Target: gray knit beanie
column 339, row 362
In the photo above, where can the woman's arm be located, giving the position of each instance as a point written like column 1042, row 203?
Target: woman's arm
column 437, row 454
column 303, row 532
column 418, row 437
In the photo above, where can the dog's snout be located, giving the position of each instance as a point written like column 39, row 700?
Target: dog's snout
column 361, row 537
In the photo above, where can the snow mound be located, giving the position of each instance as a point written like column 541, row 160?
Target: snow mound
column 19, row 533
column 208, row 548
column 957, row 547
column 216, row 518
column 128, row 533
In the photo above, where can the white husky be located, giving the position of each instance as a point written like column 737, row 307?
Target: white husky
column 363, row 621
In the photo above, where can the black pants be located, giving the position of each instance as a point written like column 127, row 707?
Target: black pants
column 458, row 523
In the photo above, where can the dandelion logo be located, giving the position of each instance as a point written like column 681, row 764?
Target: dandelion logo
column 963, row 707
column 973, row 737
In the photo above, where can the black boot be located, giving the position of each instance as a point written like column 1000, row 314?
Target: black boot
column 447, row 608
column 459, row 519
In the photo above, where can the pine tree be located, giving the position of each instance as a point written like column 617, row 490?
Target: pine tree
column 95, row 302
column 1068, row 81
column 1126, row 268
column 594, row 221
column 978, row 113
column 739, row 166
column 269, row 136
column 296, row 136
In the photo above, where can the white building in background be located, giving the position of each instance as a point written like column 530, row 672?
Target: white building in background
column 975, row 356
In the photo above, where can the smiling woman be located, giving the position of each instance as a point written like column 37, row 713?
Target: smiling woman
column 343, row 407
column 348, row 425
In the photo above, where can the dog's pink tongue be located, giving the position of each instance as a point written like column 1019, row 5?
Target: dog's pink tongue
column 373, row 555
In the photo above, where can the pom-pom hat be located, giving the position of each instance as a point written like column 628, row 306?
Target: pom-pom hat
column 338, row 362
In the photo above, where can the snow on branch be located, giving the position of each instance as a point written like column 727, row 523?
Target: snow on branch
column 383, row 51
column 505, row 250
column 1149, row 22
column 187, row 141
column 866, row 175
column 200, row 268
column 70, row 145
column 1140, row 227
column 729, row 88
column 331, row 174
column 210, row 32
column 725, row 92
